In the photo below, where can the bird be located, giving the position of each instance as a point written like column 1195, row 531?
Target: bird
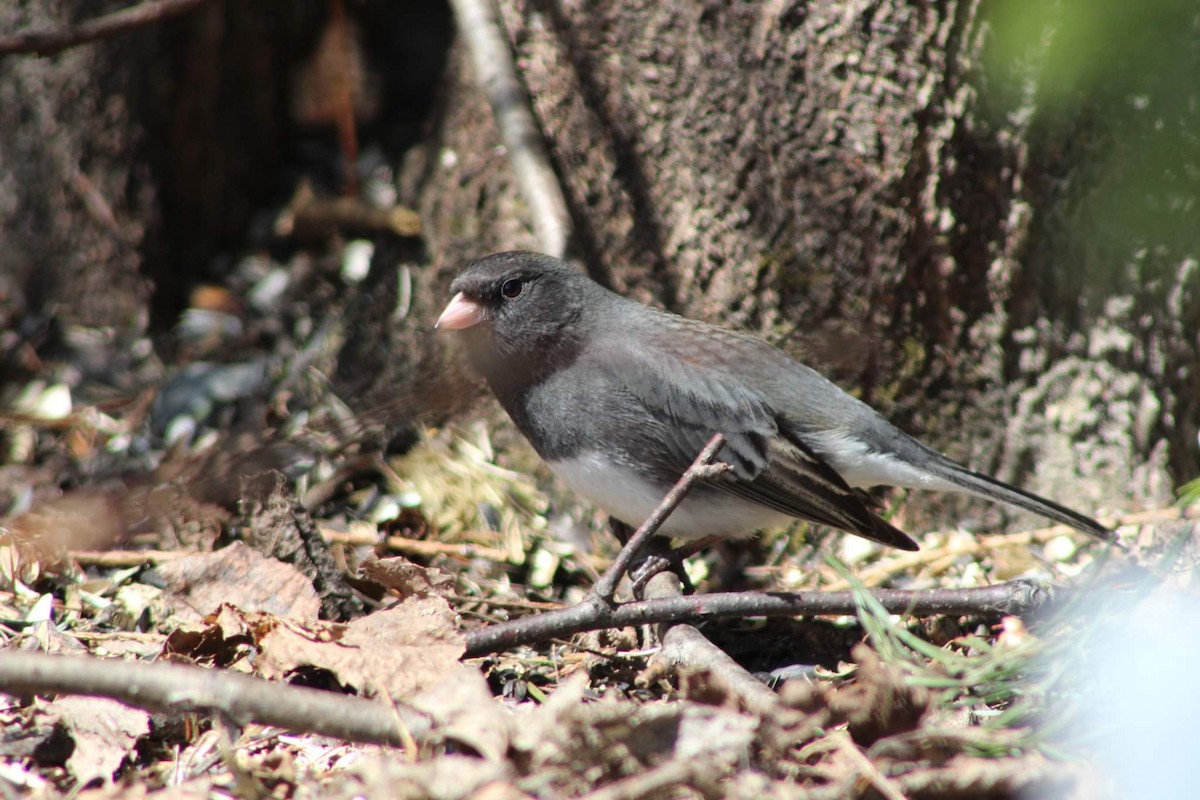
column 618, row 398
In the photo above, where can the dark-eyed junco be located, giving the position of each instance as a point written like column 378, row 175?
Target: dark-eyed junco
column 619, row 398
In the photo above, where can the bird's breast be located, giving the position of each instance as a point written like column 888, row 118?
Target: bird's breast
column 630, row 497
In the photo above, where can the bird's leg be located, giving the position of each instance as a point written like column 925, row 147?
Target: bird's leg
column 700, row 469
column 620, row 530
column 653, row 558
column 655, row 563
column 660, row 559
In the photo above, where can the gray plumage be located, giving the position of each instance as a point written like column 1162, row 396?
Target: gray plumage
column 619, row 398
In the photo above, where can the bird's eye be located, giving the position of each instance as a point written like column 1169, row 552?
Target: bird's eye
column 512, row 288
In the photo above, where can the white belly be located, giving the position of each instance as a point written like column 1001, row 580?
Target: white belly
column 627, row 496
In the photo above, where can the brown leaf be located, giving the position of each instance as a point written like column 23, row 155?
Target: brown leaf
column 105, row 732
column 465, row 713
column 398, row 651
column 198, row 585
column 35, row 737
column 223, row 638
column 407, row 579
column 616, row 738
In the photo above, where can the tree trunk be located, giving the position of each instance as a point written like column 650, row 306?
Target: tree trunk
column 75, row 207
column 828, row 174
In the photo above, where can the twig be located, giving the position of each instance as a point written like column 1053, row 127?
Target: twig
column 124, row 558
column 496, row 602
column 178, row 688
column 905, row 562
column 49, row 41
column 1016, row 597
column 597, row 610
column 683, row 646
column 654, row 782
column 701, row 468
column 310, row 218
column 398, row 544
column 867, row 767
column 1169, row 514
column 417, row 547
column 496, row 75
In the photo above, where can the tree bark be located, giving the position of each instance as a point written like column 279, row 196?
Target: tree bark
column 75, row 207
column 829, row 174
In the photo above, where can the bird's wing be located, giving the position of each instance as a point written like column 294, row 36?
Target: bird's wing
column 799, row 482
column 693, row 392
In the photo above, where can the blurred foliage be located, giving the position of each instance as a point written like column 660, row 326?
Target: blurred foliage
column 1111, row 90
column 1090, row 46
column 1189, row 493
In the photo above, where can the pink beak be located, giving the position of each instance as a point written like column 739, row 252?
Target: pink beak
column 460, row 313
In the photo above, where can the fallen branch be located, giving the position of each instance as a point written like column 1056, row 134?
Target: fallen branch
column 597, row 610
column 178, row 688
column 684, row 647
column 49, row 41
column 1016, row 597
column 593, row 611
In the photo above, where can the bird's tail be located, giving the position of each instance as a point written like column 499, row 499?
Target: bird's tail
column 989, row 488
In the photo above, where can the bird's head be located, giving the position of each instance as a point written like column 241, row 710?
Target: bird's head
column 519, row 311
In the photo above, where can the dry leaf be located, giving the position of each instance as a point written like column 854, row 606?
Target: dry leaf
column 223, row 638
column 465, row 713
column 398, row 651
column 618, row 739
column 239, row 576
column 880, row 702
column 407, row 579
column 104, row 731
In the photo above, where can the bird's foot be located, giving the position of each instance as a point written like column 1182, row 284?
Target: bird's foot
column 652, row 564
